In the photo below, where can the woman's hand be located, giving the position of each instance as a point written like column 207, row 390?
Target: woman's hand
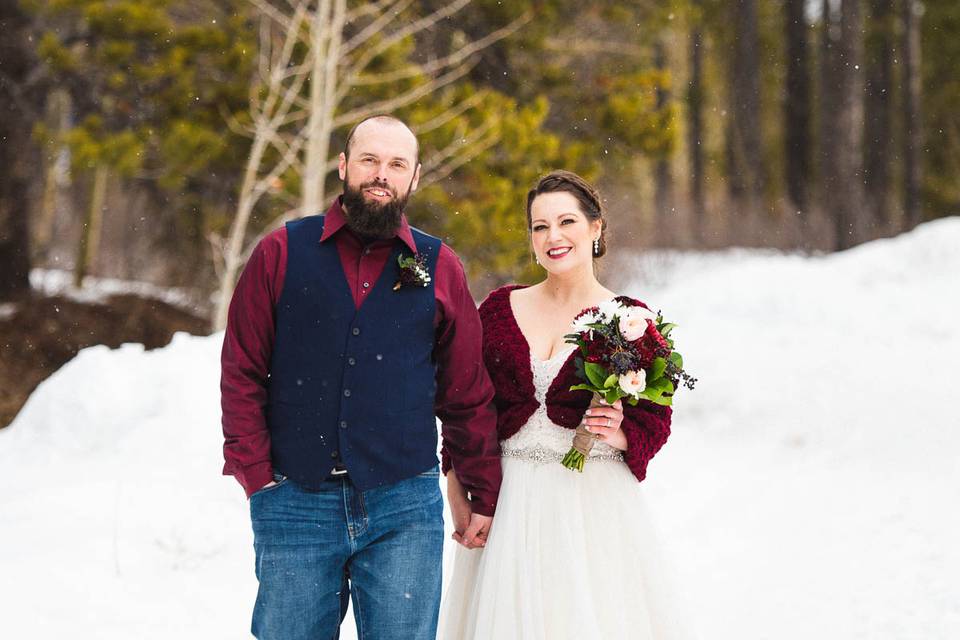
column 469, row 529
column 604, row 420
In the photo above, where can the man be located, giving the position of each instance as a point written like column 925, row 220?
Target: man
column 335, row 362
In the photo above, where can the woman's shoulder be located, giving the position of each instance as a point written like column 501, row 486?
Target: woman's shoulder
column 498, row 300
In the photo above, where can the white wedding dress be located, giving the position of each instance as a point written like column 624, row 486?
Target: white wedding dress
column 570, row 555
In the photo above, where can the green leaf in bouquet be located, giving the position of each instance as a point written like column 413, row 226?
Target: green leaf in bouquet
column 633, row 400
column 656, row 390
column 676, row 359
column 650, row 394
column 662, row 385
column 611, row 381
column 664, row 401
column 657, row 367
column 665, row 329
column 596, row 374
column 612, row 396
column 585, row 387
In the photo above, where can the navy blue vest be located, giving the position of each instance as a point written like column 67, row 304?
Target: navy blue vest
column 347, row 385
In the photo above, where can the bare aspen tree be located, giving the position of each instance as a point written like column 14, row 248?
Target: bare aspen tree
column 312, row 57
column 273, row 96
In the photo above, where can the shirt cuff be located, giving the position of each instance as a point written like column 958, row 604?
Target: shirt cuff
column 445, row 463
column 482, row 504
column 254, row 477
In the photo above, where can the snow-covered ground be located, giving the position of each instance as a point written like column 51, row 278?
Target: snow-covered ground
column 809, row 490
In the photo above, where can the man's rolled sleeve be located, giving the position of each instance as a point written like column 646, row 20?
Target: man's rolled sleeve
column 464, row 401
column 245, row 362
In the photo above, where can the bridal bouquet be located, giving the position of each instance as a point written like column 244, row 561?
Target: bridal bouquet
column 625, row 353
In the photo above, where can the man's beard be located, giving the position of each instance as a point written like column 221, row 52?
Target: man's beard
column 377, row 220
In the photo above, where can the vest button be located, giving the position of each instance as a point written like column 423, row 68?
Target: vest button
column 335, row 455
column 346, row 393
column 351, row 361
column 366, row 285
column 356, row 331
column 343, row 424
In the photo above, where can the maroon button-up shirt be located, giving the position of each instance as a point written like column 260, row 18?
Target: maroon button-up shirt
column 464, row 400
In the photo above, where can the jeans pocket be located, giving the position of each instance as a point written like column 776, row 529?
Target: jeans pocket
column 280, row 480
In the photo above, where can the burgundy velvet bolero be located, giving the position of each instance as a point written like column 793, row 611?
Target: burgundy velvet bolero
column 507, row 358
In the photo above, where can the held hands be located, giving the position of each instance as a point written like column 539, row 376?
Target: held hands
column 469, row 529
column 604, row 420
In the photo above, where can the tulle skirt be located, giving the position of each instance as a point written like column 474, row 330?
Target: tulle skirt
column 569, row 555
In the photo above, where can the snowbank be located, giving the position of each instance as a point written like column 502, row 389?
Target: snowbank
column 808, row 491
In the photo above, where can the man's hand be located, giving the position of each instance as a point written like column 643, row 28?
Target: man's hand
column 476, row 534
column 266, row 486
column 469, row 529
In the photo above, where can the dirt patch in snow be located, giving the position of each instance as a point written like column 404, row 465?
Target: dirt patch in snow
column 40, row 334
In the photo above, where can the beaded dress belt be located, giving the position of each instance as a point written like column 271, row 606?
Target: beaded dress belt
column 539, row 454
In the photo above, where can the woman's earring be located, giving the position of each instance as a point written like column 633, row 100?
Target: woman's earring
column 596, row 247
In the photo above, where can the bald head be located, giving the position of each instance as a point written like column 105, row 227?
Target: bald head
column 386, row 130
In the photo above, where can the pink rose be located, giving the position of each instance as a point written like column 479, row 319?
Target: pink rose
column 633, row 382
column 633, row 322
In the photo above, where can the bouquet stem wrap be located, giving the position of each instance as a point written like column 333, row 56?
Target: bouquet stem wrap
column 582, row 445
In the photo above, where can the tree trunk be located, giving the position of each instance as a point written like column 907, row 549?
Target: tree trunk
column 878, row 116
column 17, row 153
column 829, row 125
column 695, row 130
column 746, row 150
column 912, row 135
column 663, row 179
column 797, row 106
column 92, row 226
column 327, row 38
column 56, row 170
column 850, row 201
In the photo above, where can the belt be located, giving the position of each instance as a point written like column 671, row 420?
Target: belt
column 338, row 472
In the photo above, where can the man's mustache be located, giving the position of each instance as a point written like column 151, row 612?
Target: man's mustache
column 375, row 184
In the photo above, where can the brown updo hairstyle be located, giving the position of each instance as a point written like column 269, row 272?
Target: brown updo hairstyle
column 586, row 195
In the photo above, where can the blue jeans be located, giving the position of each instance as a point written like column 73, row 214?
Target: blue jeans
column 383, row 548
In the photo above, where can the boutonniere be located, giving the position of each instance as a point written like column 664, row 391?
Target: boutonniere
column 413, row 271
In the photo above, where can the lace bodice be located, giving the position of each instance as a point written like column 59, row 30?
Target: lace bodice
column 540, row 439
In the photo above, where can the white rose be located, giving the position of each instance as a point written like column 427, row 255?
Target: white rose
column 633, row 322
column 633, row 382
column 580, row 324
column 608, row 309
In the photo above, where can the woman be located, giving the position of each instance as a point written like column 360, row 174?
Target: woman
column 570, row 555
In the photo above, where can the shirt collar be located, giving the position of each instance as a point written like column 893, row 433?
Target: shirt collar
column 336, row 220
